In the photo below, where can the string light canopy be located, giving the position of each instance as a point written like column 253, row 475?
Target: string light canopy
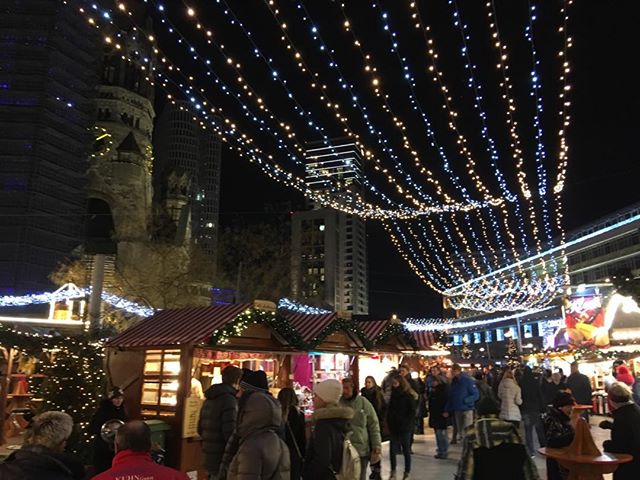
column 457, row 163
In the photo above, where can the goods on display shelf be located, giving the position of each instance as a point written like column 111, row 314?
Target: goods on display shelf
column 377, row 366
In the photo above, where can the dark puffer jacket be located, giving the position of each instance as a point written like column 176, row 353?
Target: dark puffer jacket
column 625, row 438
column 261, row 454
column 217, row 423
column 402, row 411
column 34, row 462
column 324, row 450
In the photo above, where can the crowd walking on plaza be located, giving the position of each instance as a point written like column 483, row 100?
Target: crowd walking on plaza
column 248, row 434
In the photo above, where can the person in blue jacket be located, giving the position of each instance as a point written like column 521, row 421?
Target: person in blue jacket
column 463, row 395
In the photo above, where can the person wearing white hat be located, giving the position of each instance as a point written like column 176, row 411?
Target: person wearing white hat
column 331, row 424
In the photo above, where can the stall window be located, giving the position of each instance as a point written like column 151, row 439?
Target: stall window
column 499, row 334
column 477, row 337
column 488, row 336
column 457, row 339
column 160, row 385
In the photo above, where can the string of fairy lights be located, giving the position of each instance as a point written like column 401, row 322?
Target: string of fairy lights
column 448, row 242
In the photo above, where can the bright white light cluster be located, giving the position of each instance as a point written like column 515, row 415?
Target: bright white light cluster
column 293, row 306
column 443, row 325
column 73, row 292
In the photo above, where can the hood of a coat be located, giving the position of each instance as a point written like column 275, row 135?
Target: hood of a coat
column 43, row 460
column 333, row 411
column 260, row 411
column 218, row 390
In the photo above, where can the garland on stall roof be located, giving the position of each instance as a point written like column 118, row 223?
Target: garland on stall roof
column 277, row 323
column 398, row 330
column 344, row 324
column 74, row 379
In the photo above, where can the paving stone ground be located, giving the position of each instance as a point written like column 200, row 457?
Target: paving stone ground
column 424, row 466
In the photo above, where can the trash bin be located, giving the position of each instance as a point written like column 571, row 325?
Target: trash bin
column 158, row 429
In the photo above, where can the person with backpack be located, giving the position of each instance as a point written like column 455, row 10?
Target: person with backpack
column 401, row 415
column 365, row 428
column 326, row 458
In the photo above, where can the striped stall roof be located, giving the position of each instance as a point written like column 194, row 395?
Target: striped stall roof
column 424, row 338
column 180, row 326
column 373, row 328
column 307, row 325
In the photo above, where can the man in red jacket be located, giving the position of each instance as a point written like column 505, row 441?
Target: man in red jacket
column 132, row 460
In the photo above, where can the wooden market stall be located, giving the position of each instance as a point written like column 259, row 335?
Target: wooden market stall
column 166, row 361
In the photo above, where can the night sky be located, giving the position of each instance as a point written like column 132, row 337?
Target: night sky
column 603, row 172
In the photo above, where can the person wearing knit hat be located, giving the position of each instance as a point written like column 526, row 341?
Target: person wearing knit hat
column 625, row 431
column 330, row 390
column 559, row 431
column 365, row 428
column 331, row 425
column 623, row 375
column 254, row 380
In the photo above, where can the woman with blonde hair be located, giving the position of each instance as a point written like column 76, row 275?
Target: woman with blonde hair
column 510, row 398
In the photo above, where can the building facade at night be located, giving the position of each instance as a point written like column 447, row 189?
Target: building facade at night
column 49, row 60
column 329, row 249
column 188, row 159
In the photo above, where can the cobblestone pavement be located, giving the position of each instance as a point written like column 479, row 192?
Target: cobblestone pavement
column 425, row 466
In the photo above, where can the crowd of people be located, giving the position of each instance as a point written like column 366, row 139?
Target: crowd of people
column 248, row 434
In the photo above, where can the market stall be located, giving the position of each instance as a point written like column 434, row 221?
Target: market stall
column 166, row 361
column 375, row 362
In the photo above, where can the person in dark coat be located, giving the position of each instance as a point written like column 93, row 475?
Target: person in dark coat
column 294, row 430
column 437, row 402
column 532, row 409
column 331, row 424
column 580, row 386
column 484, row 390
column 111, row 408
column 551, row 386
column 401, row 419
column 218, row 418
column 625, row 432
column 42, row 455
column 559, row 430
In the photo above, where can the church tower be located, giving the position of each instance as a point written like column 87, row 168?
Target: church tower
column 120, row 168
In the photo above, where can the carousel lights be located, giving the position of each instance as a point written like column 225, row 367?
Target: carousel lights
column 445, row 325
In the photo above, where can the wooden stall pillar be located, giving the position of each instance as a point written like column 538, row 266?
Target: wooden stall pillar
column 5, row 384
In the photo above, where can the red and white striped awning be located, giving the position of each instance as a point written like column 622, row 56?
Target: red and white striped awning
column 373, row 328
column 424, row 339
column 307, row 325
column 177, row 327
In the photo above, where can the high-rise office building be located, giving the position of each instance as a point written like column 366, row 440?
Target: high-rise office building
column 186, row 150
column 329, row 250
column 49, row 59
